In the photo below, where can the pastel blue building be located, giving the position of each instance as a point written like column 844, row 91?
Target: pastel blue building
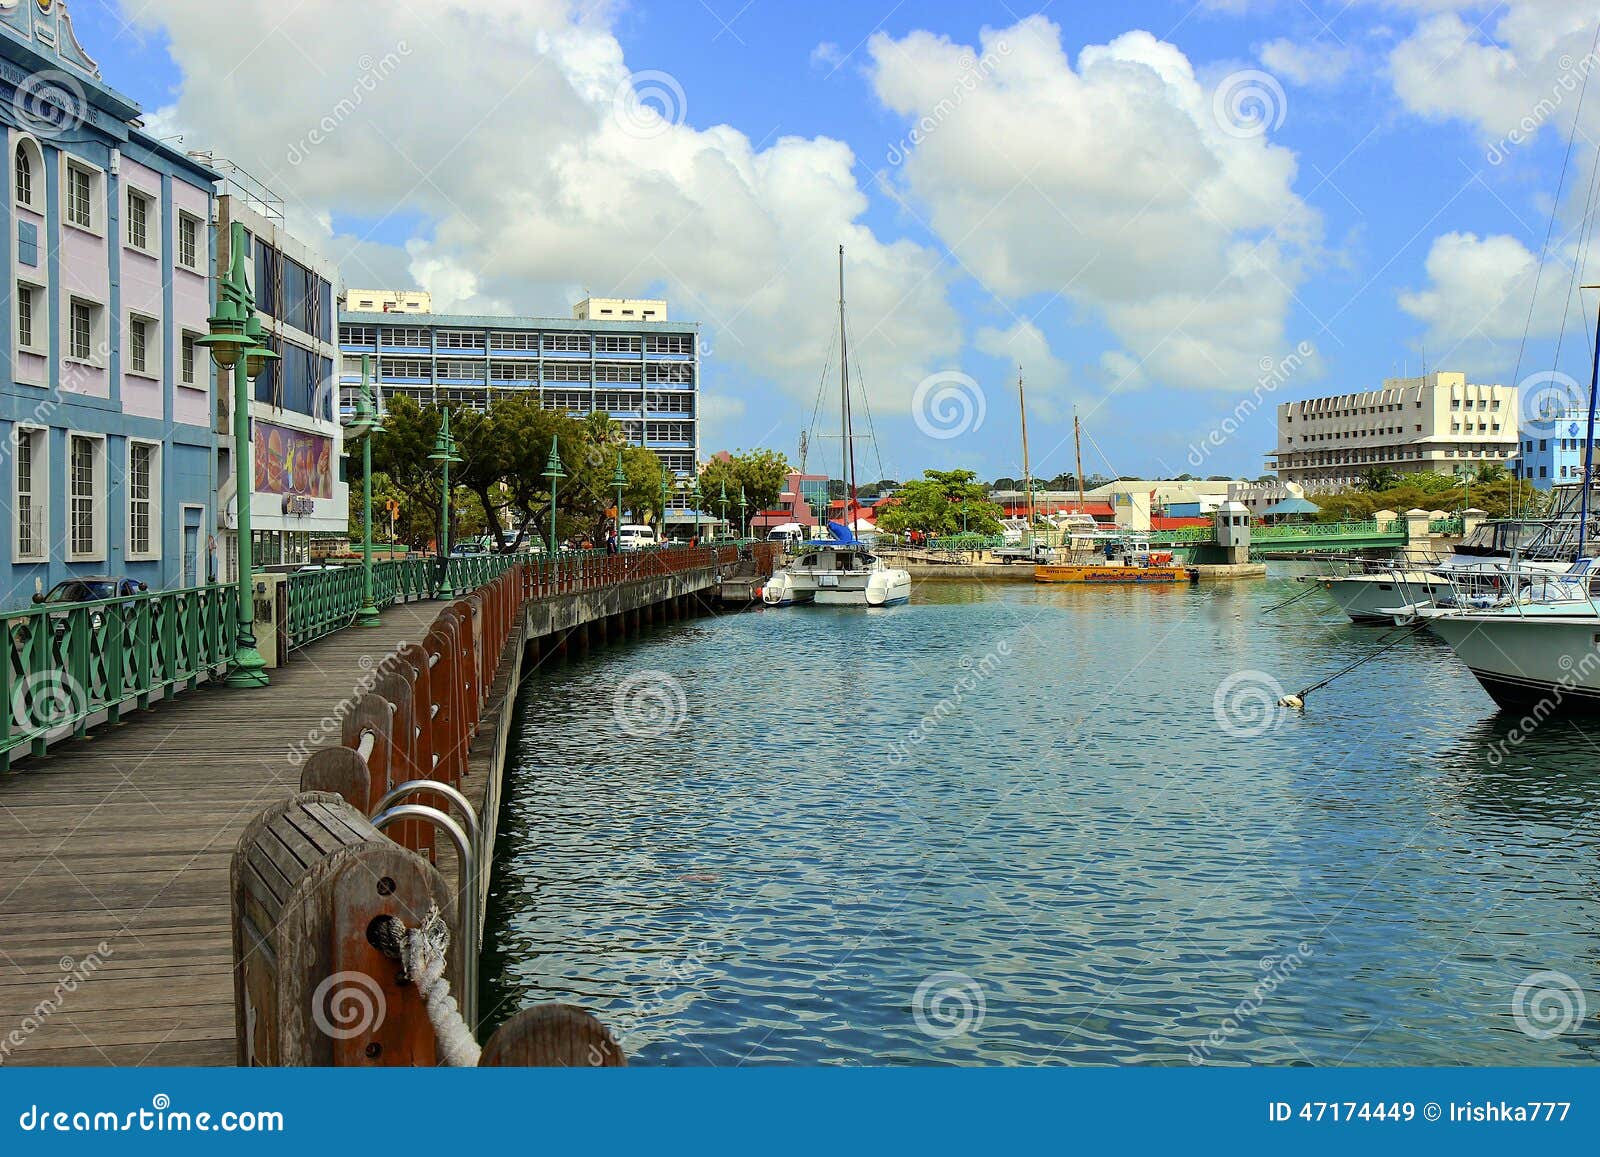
column 105, row 401
column 1551, row 449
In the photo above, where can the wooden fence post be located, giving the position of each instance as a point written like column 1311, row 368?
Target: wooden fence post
column 310, row 878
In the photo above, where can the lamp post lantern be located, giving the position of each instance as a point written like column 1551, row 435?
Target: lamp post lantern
column 554, row 472
column 744, row 514
column 236, row 342
column 696, row 498
column 363, row 425
column 444, row 453
column 723, row 503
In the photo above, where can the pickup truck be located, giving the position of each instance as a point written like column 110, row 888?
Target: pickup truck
column 1022, row 552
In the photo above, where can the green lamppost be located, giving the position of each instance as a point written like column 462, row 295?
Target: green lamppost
column 620, row 481
column 1465, row 474
column 236, row 341
column 744, row 514
column 666, row 487
column 363, row 425
column 696, row 497
column 554, row 472
column 444, row 453
column 723, row 503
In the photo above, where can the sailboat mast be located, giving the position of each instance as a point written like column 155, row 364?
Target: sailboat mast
column 847, row 456
column 1027, row 476
column 1077, row 456
column 1588, row 444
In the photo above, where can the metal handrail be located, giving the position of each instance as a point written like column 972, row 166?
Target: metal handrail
column 468, row 906
column 413, row 786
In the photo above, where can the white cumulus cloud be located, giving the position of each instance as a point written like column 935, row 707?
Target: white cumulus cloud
column 1117, row 186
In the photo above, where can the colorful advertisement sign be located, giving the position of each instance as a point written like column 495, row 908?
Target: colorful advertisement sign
column 292, row 462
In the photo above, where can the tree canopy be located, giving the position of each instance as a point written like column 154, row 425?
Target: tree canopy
column 760, row 472
column 935, row 503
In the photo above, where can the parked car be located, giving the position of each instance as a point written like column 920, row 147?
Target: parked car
column 88, row 589
column 636, row 537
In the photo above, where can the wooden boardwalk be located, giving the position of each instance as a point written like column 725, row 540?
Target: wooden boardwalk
column 123, row 839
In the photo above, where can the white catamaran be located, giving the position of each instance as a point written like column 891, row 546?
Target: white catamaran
column 839, row 570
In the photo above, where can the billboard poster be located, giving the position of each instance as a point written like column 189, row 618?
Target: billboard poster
column 292, row 462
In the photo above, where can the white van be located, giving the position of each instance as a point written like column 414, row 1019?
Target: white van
column 636, row 537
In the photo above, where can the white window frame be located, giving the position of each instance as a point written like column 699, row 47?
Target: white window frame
column 97, row 499
column 198, row 264
column 38, row 491
column 35, row 202
column 39, row 321
column 97, row 195
column 97, row 330
column 152, row 347
column 197, row 357
column 152, row 502
column 152, row 220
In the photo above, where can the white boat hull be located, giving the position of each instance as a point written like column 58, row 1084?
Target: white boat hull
column 1529, row 661
column 1373, row 598
column 876, row 588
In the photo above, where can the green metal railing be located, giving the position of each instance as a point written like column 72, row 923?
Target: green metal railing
column 68, row 663
column 1327, row 530
column 1445, row 526
column 324, row 601
column 967, row 542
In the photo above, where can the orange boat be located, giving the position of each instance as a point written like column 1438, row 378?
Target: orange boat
column 1129, row 562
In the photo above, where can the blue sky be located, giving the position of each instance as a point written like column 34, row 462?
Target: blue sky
column 1411, row 234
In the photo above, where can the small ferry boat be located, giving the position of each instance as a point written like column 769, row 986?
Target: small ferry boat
column 1125, row 561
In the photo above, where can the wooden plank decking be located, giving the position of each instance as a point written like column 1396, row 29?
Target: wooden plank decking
column 124, row 839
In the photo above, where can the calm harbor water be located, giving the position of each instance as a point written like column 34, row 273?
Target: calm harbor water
column 1012, row 824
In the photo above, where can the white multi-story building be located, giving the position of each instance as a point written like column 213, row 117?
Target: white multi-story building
column 644, row 374
column 1439, row 423
column 620, row 309
column 299, row 501
column 387, row 300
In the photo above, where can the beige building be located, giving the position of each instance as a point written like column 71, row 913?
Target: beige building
column 620, row 309
column 388, row 300
column 1437, row 423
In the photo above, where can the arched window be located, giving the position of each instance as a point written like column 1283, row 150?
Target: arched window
column 24, row 171
column 27, row 170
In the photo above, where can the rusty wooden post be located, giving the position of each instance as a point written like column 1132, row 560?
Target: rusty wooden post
column 310, row 878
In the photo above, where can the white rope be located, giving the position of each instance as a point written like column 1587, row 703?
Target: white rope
column 423, row 955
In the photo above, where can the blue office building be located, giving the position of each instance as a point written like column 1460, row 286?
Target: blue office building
column 645, row 374
column 1551, row 449
column 106, row 403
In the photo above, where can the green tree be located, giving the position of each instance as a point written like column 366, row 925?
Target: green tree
column 760, row 472
column 935, row 503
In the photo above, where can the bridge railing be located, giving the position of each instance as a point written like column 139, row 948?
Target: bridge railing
column 1363, row 529
column 66, row 664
